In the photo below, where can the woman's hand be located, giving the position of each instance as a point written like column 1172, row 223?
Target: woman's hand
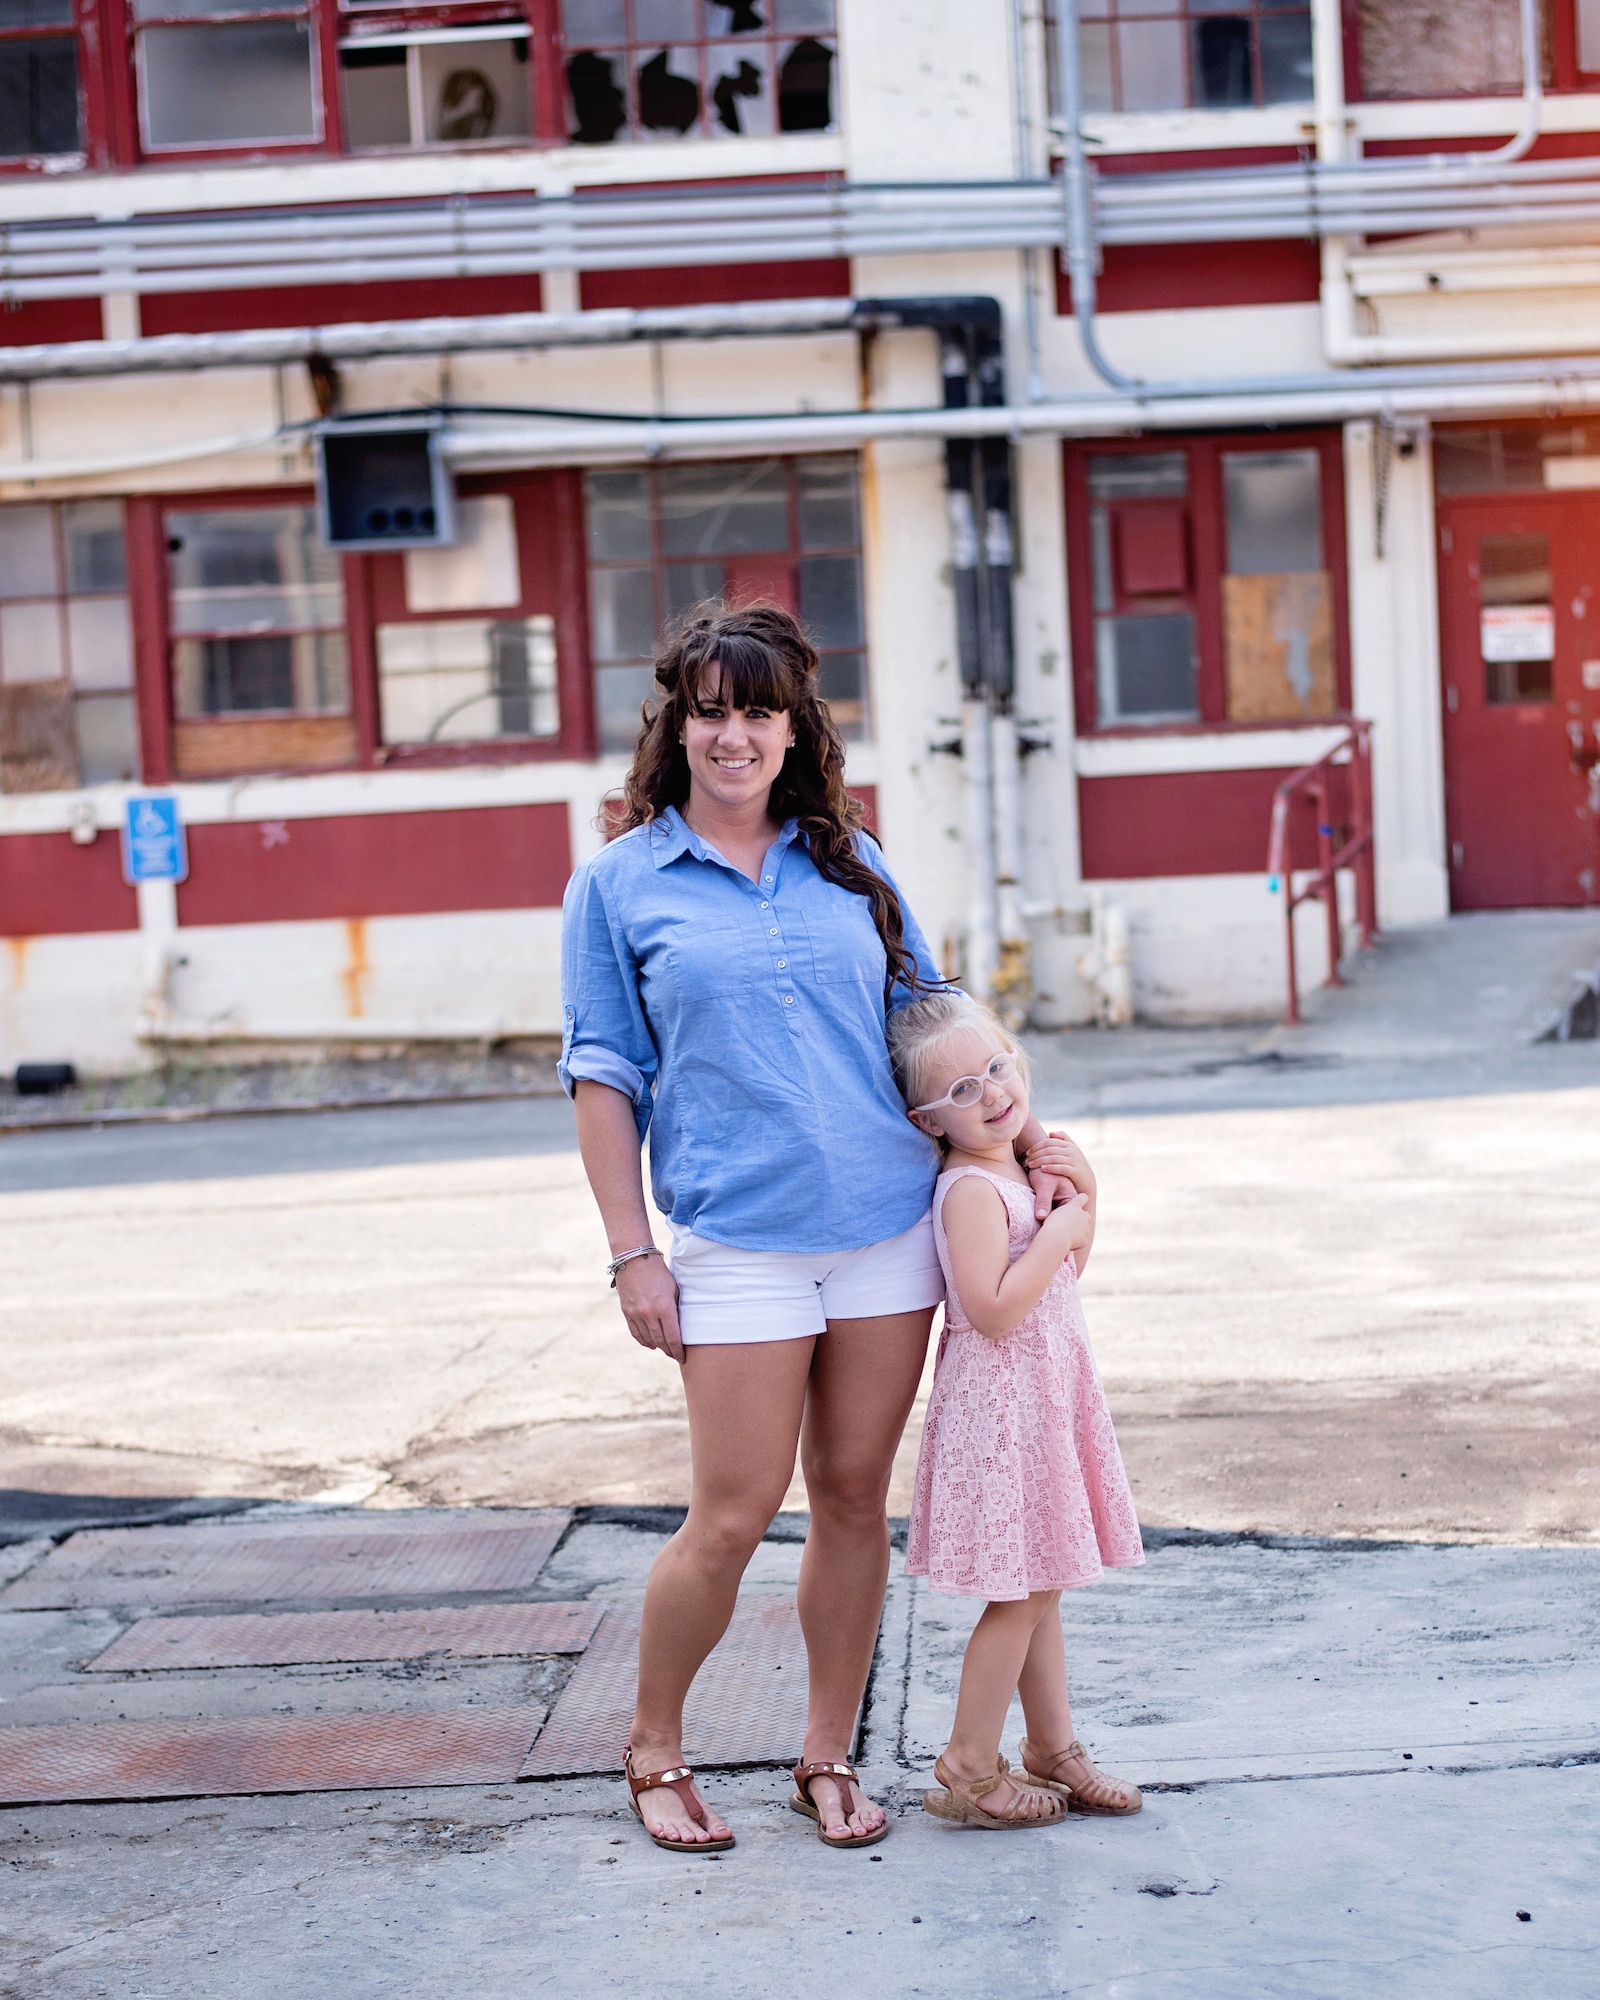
column 648, row 1295
column 1057, row 1155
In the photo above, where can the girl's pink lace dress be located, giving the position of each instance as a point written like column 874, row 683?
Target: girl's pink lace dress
column 1020, row 1485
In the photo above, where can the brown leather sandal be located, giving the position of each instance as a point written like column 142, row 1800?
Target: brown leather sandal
column 958, row 1803
column 1090, row 1798
column 679, row 1779
column 843, row 1776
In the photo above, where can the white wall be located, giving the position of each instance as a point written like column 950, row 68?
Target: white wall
column 1394, row 636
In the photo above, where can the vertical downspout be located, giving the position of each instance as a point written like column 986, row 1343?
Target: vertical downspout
column 978, row 499
column 1077, row 188
column 1334, row 147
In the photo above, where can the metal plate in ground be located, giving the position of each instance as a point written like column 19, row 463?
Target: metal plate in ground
column 253, row 1562
column 306, row 1638
column 748, row 1705
column 262, row 1753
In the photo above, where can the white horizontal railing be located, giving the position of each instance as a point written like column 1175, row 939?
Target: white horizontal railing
column 498, row 236
column 493, row 236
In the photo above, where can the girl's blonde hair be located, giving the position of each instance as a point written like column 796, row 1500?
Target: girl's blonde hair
column 918, row 1032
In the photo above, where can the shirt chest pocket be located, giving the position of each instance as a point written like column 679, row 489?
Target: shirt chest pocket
column 845, row 947
column 699, row 962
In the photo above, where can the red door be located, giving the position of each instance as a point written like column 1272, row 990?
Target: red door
column 1520, row 642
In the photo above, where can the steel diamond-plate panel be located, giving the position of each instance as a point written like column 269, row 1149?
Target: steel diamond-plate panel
column 262, row 1753
column 748, row 1705
column 306, row 1638
column 373, row 1555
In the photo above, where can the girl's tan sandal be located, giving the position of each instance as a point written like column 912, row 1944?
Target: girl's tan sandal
column 1099, row 1795
column 843, row 1775
column 958, row 1803
column 679, row 1779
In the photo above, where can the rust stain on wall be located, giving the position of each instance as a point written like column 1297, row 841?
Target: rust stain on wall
column 17, row 953
column 353, row 977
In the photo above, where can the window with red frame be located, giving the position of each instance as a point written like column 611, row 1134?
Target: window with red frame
column 41, row 114
column 1206, row 582
column 655, row 69
column 1171, row 55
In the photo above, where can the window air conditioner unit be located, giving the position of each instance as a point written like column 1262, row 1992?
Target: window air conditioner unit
column 382, row 484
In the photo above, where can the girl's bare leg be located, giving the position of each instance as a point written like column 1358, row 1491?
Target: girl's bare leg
column 996, row 1655
column 745, row 1408
column 863, row 1382
column 1046, row 1712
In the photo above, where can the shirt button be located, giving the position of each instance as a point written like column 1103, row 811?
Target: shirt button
column 783, row 965
column 766, row 906
column 788, row 999
column 773, row 932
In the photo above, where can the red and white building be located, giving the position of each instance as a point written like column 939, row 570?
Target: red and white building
column 1118, row 425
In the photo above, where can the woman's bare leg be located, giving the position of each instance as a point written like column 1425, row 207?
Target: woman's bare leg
column 745, row 1408
column 863, row 1382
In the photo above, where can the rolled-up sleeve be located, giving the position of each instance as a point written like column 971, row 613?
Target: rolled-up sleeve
column 605, row 1037
column 900, row 994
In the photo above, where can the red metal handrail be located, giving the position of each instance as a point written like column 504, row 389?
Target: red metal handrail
column 1315, row 784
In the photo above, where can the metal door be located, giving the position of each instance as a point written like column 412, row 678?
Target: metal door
column 1520, row 644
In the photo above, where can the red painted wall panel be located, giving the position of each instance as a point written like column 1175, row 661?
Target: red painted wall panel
column 1184, row 823
column 716, row 284
column 51, row 888
column 40, row 320
column 376, row 865
column 1152, row 277
column 330, row 305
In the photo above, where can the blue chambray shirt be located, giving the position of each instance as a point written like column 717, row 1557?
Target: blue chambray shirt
column 745, row 1020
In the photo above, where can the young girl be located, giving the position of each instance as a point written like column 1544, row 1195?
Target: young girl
column 1020, row 1489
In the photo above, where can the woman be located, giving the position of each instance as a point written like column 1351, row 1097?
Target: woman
column 727, row 967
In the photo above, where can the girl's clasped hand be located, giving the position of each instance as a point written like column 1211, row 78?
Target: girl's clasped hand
column 1020, row 1489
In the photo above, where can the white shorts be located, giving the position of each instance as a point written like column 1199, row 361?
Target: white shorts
column 729, row 1297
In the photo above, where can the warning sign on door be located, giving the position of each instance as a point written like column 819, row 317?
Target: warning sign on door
column 1518, row 632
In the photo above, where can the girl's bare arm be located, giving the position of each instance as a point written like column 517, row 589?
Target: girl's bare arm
column 995, row 1293
column 608, row 1139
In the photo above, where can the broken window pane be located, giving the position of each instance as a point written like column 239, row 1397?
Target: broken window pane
column 227, row 83
column 38, row 742
column 805, row 88
column 39, row 96
column 1277, row 602
column 723, row 68
column 1221, row 55
column 467, row 680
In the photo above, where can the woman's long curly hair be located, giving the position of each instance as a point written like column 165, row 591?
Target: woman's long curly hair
column 757, row 656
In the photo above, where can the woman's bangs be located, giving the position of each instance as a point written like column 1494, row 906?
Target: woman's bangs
column 745, row 674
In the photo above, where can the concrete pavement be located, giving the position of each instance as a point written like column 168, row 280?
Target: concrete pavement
column 1363, row 1763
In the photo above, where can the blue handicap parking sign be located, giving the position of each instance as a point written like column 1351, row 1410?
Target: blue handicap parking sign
column 153, row 846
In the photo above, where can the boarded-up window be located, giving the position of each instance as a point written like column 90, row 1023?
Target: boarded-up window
column 1441, row 48
column 1277, row 601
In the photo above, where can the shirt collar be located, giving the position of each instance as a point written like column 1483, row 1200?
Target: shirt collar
column 670, row 837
